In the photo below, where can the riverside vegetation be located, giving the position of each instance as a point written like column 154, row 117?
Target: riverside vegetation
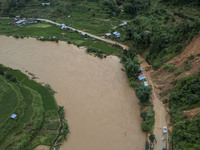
column 159, row 30
column 40, row 121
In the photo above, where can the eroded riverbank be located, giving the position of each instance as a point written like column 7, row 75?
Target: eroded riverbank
column 101, row 109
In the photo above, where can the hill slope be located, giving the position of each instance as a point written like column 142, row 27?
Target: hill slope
column 39, row 120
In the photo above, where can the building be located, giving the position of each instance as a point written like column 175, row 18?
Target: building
column 142, row 77
column 63, row 26
column 145, row 83
column 116, row 34
column 83, row 34
column 108, row 35
column 20, row 22
column 46, row 4
column 140, row 70
column 17, row 18
column 32, row 21
column 123, row 24
column 13, row 116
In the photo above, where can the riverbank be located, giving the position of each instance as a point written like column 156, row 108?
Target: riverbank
column 102, row 109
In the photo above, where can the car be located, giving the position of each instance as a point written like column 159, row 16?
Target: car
column 164, row 129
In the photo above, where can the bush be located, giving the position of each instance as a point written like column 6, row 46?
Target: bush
column 152, row 137
column 95, row 51
column 142, row 92
column 169, row 67
column 1, row 71
column 178, row 72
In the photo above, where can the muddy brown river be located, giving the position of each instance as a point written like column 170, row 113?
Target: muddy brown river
column 101, row 109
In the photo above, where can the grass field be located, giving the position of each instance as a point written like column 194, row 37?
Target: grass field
column 47, row 31
column 39, row 121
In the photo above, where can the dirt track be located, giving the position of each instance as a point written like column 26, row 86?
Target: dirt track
column 160, row 111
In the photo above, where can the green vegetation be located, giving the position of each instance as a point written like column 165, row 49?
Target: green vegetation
column 132, row 64
column 48, row 32
column 39, row 120
column 163, row 27
column 185, row 96
column 178, row 72
column 158, row 29
column 95, row 51
column 169, row 67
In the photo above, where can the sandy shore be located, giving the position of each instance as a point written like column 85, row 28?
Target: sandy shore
column 101, row 109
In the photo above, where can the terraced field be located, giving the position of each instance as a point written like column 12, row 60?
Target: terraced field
column 40, row 121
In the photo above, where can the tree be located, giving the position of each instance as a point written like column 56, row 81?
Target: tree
column 152, row 137
column 142, row 92
column 132, row 66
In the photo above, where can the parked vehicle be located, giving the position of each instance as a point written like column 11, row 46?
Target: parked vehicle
column 164, row 130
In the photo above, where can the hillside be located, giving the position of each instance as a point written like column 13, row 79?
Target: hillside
column 39, row 120
column 164, row 32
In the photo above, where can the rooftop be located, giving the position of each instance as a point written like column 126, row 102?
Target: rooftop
column 13, row 116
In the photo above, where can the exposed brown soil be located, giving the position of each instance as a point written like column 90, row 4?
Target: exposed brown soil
column 158, row 106
column 163, row 79
column 42, row 147
column 146, row 108
column 191, row 113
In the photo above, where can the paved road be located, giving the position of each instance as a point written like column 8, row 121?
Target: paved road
column 90, row 35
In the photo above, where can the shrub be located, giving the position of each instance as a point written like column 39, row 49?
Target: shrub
column 142, row 92
column 178, row 72
column 169, row 67
column 1, row 71
column 152, row 137
column 95, row 51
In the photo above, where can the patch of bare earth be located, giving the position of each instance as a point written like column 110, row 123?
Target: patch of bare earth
column 162, row 82
column 191, row 113
column 158, row 106
column 163, row 79
column 42, row 147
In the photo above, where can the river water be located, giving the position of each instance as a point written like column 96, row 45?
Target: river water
column 101, row 109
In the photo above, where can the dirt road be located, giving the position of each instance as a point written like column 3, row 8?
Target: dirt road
column 160, row 111
column 90, row 35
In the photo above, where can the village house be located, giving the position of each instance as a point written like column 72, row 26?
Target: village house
column 46, row 4
column 13, row 116
column 17, row 18
column 108, row 35
column 140, row 70
column 145, row 83
column 142, row 77
column 116, row 34
column 20, row 22
column 63, row 26
column 123, row 24
column 83, row 34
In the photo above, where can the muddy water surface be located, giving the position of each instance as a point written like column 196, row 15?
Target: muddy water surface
column 101, row 108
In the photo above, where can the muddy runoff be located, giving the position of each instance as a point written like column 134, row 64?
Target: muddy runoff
column 101, row 109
